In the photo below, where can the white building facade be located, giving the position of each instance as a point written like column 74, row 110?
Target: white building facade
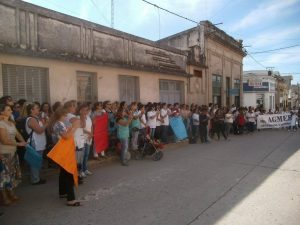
column 259, row 90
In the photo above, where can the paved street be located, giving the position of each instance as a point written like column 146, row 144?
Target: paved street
column 251, row 179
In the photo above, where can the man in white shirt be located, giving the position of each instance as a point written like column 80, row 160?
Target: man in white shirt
column 251, row 119
column 195, row 124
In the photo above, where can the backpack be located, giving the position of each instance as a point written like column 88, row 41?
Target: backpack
column 21, row 127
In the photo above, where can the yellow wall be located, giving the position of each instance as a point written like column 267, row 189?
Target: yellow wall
column 63, row 84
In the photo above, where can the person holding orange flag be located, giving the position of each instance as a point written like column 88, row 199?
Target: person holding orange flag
column 64, row 155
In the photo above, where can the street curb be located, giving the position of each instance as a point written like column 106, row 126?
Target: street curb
column 94, row 163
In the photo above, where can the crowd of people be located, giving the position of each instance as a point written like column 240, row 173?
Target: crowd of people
column 43, row 125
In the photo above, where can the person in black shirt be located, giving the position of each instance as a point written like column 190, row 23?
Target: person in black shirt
column 203, row 122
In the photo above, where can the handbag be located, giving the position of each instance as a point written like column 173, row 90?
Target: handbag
column 32, row 157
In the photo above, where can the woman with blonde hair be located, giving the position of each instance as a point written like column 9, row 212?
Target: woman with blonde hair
column 58, row 130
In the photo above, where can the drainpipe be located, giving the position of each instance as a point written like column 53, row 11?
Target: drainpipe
column 241, row 86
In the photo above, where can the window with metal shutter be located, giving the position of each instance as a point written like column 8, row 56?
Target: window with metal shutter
column 30, row 83
column 86, row 87
column 171, row 91
column 129, row 88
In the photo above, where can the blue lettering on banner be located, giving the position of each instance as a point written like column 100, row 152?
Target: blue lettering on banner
column 274, row 121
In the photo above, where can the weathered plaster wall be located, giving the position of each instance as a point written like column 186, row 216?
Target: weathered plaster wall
column 63, row 82
column 33, row 30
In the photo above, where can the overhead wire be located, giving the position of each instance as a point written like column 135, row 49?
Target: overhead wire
column 219, row 10
column 277, row 49
column 95, row 5
column 259, row 63
column 158, row 23
column 176, row 14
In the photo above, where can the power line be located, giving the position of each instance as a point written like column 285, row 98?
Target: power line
column 256, row 60
column 221, row 9
column 272, row 50
column 92, row 1
column 112, row 15
column 193, row 21
column 283, row 53
column 158, row 23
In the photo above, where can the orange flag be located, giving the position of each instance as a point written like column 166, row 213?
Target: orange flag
column 63, row 153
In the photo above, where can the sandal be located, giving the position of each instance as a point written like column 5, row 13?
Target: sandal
column 76, row 204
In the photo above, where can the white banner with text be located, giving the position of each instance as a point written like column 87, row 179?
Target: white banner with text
column 274, row 121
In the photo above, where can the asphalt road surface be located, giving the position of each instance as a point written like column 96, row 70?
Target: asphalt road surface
column 250, row 179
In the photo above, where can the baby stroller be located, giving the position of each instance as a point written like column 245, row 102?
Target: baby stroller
column 149, row 147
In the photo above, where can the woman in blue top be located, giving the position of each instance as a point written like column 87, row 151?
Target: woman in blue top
column 123, row 121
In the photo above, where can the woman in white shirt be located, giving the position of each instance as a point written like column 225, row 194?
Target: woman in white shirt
column 159, row 120
column 143, row 121
column 164, row 115
column 80, row 138
column 151, row 116
column 88, row 135
column 37, row 138
column 251, row 119
column 228, row 121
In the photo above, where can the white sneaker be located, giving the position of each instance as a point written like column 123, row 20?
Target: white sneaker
column 87, row 172
column 82, row 174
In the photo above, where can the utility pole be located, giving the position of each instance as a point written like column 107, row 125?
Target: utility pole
column 298, row 95
column 112, row 14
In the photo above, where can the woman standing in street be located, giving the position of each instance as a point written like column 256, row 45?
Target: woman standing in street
column 151, row 119
column 58, row 130
column 228, row 121
column 10, row 173
column 123, row 133
column 37, row 138
column 219, row 123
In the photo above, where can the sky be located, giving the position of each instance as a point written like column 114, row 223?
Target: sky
column 262, row 24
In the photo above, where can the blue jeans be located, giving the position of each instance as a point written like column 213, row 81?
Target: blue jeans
column 35, row 172
column 124, row 148
column 86, row 154
column 79, row 158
